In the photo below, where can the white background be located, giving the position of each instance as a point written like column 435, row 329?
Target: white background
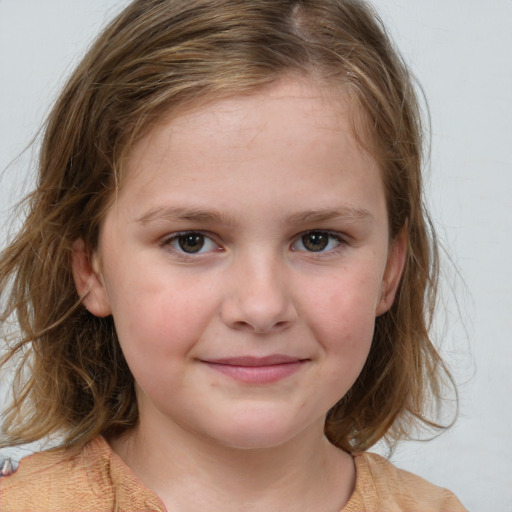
column 461, row 51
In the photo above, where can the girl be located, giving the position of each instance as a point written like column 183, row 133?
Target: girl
column 224, row 283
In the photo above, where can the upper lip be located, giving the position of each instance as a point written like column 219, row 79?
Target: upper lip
column 255, row 361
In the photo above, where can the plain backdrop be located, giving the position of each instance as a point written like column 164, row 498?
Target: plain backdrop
column 460, row 50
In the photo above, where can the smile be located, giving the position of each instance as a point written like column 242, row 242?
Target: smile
column 257, row 370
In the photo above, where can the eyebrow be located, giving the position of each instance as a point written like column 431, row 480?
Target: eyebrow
column 184, row 214
column 345, row 213
column 201, row 216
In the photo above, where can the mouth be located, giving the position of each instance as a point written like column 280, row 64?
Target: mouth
column 257, row 370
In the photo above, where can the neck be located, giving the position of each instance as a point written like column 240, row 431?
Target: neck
column 190, row 472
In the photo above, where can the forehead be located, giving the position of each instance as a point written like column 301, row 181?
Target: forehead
column 293, row 139
column 290, row 106
column 252, row 163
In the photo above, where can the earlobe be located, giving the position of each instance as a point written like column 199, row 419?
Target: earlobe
column 393, row 273
column 88, row 280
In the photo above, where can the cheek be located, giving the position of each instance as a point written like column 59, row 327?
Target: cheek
column 159, row 315
column 342, row 317
column 344, row 304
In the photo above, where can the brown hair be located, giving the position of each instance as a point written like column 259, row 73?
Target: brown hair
column 160, row 55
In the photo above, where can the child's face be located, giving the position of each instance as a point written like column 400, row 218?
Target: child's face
column 244, row 263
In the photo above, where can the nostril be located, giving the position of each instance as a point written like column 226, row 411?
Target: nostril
column 259, row 310
column 241, row 325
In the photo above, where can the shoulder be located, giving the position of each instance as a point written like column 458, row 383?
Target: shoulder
column 49, row 481
column 383, row 486
column 57, row 481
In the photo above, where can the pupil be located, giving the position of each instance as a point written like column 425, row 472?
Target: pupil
column 315, row 241
column 191, row 243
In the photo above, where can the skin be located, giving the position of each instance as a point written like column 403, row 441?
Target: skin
column 260, row 178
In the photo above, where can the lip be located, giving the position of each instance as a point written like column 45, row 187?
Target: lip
column 257, row 370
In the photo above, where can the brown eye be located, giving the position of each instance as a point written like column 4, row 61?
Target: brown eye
column 315, row 241
column 191, row 242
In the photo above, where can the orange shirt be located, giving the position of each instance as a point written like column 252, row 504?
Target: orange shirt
column 98, row 480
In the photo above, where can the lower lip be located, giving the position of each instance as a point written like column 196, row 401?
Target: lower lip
column 258, row 374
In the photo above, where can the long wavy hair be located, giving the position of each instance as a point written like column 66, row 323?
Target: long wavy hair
column 158, row 56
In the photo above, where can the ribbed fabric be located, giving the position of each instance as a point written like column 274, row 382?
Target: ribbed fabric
column 98, row 480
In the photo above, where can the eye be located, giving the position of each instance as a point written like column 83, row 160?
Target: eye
column 317, row 241
column 191, row 242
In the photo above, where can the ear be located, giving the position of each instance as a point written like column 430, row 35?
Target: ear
column 88, row 280
column 393, row 273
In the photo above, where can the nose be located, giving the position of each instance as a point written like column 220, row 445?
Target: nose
column 258, row 297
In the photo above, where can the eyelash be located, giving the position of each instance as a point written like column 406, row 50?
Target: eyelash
column 340, row 241
column 299, row 239
column 175, row 238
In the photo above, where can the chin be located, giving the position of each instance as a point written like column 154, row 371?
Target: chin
column 255, row 441
column 258, row 434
